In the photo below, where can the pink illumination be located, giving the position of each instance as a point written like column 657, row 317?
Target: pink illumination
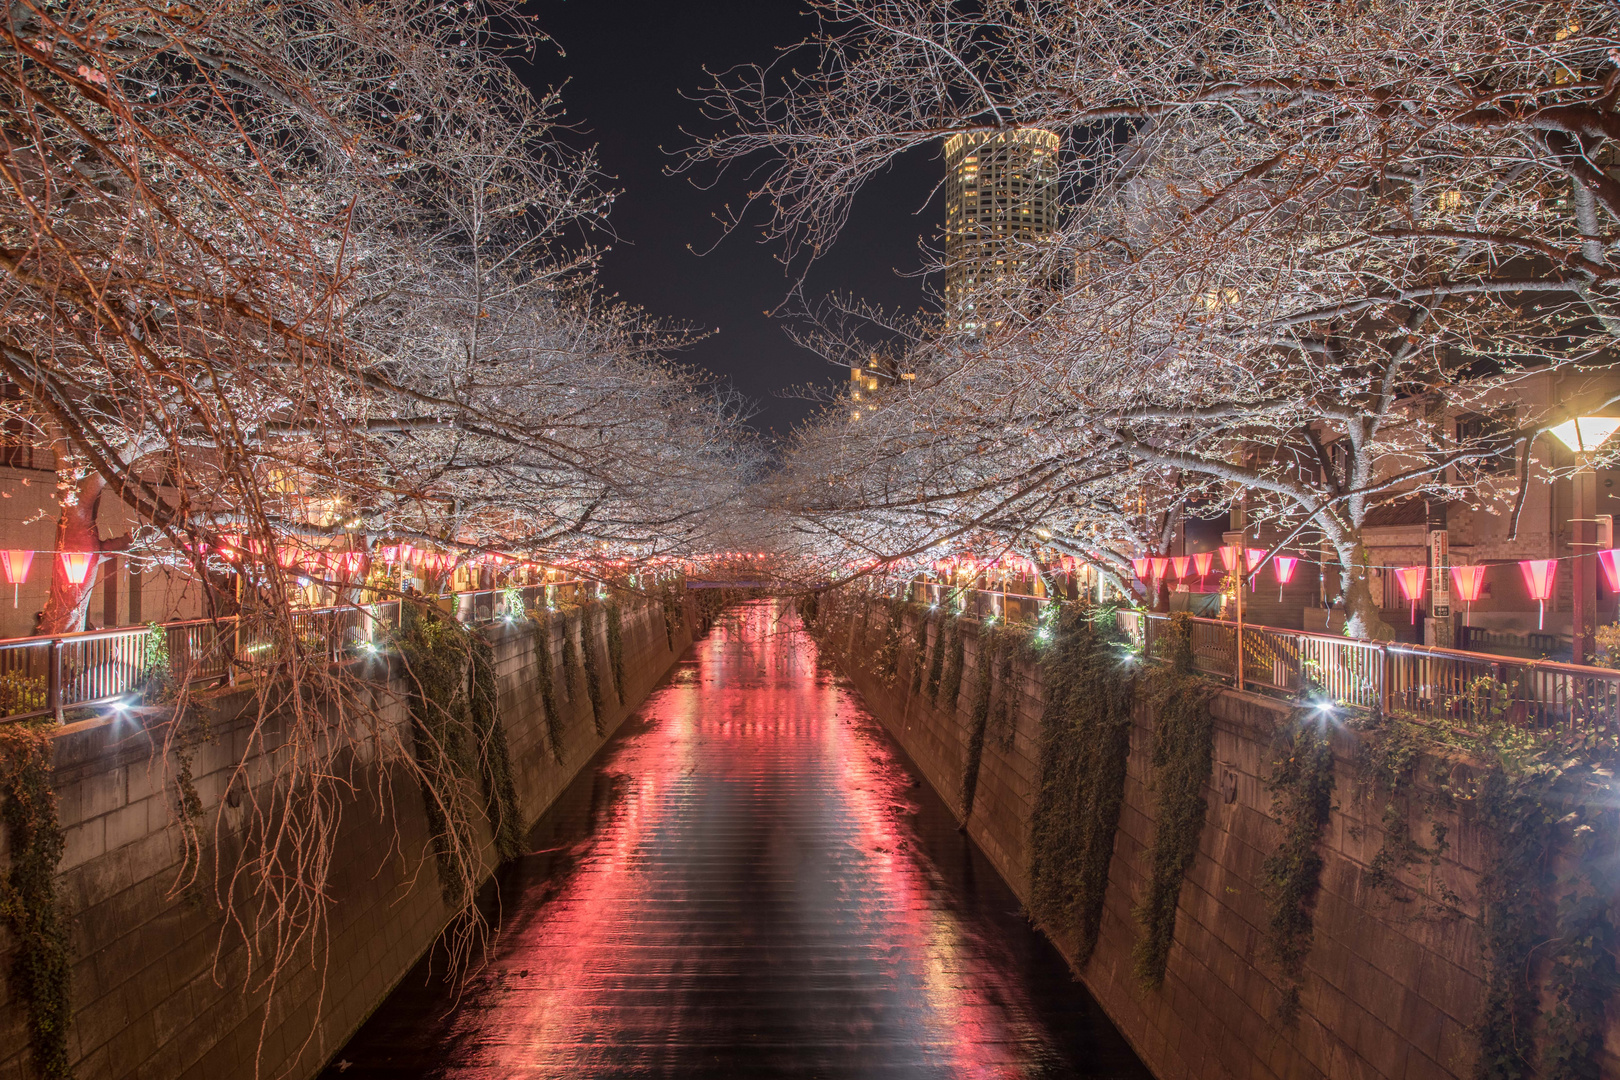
column 1539, row 575
column 1412, row 579
column 1159, row 566
column 1611, row 569
column 1201, row 564
column 16, row 564
column 1142, row 567
column 1468, row 580
column 1284, row 566
column 1180, row 564
column 76, row 565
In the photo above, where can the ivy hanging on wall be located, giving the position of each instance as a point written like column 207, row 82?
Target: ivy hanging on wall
column 1084, row 743
column 593, row 669
column 1302, row 797
column 500, row 787
column 451, row 750
column 809, row 607
column 1001, row 727
column 540, row 635
column 571, row 666
column 615, row 644
column 41, row 966
column 989, row 645
column 950, row 682
column 919, row 651
column 1183, row 745
column 936, row 659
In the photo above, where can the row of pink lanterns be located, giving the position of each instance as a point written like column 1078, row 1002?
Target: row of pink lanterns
column 1469, row 581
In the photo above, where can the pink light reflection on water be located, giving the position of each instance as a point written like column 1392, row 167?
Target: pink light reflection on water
column 757, row 881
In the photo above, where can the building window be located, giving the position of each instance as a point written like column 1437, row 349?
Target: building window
column 1493, row 433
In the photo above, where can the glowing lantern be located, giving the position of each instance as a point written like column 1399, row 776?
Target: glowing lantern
column 1469, row 580
column 390, row 554
column 16, row 564
column 1231, row 555
column 1142, row 566
column 1159, row 566
column 1611, row 569
column 1284, row 566
column 1539, row 575
column 1201, row 563
column 76, row 565
column 1412, row 579
column 1178, row 566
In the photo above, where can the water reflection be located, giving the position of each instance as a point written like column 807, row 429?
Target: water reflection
column 749, row 882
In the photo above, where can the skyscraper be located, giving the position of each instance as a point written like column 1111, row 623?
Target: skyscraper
column 1001, row 193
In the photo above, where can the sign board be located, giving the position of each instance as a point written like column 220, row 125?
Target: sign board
column 1439, row 574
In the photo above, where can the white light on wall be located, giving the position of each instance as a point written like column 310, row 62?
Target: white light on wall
column 1585, row 432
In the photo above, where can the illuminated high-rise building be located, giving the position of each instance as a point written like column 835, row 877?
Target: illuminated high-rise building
column 1001, row 195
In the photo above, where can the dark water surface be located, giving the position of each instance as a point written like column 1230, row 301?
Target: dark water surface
column 749, row 881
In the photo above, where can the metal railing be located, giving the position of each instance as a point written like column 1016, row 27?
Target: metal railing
column 45, row 676
column 980, row 603
column 1445, row 686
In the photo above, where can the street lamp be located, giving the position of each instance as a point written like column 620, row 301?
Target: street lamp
column 1583, row 435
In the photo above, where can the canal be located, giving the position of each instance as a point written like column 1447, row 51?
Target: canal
column 748, row 881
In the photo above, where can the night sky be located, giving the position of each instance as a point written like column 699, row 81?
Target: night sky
column 626, row 64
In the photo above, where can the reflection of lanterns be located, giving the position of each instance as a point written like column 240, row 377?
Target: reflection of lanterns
column 1179, row 564
column 16, row 564
column 1469, row 580
column 76, row 565
column 1284, row 566
column 1201, row 564
column 1539, row 575
column 1412, row 579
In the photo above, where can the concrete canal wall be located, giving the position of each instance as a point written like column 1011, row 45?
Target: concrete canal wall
column 154, row 992
column 1392, row 987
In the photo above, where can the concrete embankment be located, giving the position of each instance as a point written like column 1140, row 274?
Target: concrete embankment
column 156, row 994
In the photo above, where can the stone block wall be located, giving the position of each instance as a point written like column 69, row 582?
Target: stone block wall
column 162, row 987
column 1393, row 983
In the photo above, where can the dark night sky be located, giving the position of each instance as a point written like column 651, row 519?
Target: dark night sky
column 626, row 64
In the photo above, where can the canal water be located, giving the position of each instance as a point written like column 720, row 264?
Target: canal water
column 749, row 881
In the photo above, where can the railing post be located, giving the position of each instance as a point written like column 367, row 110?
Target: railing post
column 54, row 681
column 1383, row 680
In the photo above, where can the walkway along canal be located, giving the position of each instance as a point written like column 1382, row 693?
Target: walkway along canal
column 749, row 881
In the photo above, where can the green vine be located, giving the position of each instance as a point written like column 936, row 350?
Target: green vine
column 615, row 644
column 1084, row 743
column 990, row 645
column 571, row 672
column 936, row 660
column 540, row 635
column 1183, row 757
column 950, row 683
column 41, row 966
column 1302, row 797
column 1001, row 727
column 672, row 614
column 809, row 608
column 1391, row 750
column 453, row 744
column 593, row 670
column 919, row 652
column 500, row 788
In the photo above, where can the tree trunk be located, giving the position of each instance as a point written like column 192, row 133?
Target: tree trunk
column 1362, row 618
column 76, row 530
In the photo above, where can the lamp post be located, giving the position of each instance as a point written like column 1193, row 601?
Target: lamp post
column 1583, row 435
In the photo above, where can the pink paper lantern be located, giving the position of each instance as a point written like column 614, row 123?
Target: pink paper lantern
column 1539, row 575
column 1142, row 566
column 1179, row 564
column 1611, row 569
column 1284, row 566
column 1231, row 555
column 1159, row 567
column 1468, row 581
column 76, row 565
column 16, row 564
column 1412, row 579
column 1201, row 564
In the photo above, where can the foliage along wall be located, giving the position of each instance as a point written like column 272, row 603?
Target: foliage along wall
column 1266, row 888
